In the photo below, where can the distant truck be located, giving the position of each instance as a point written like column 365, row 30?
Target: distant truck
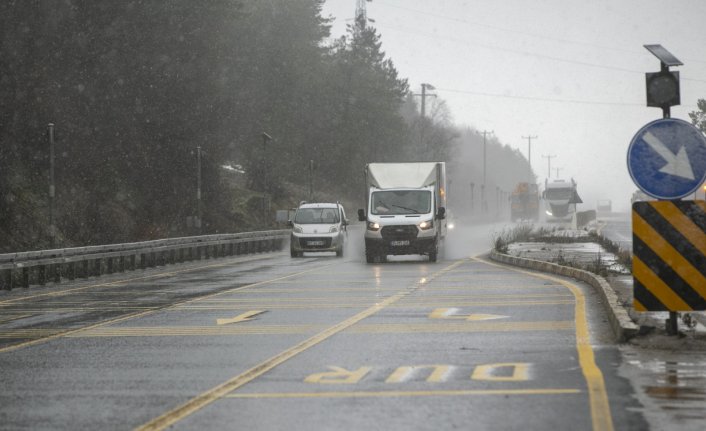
column 405, row 209
column 524, row 202
column 560, row 199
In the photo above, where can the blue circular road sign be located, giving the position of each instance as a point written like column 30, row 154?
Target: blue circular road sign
column 667, row 158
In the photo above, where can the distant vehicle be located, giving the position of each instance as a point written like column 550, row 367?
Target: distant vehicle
column 524, row 202
column 318, row 227
column 604, row 206
column 405, row 209
column 560, row 199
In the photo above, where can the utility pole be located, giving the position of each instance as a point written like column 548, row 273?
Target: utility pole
column 549, row 164
column 529, row 151
column 484, row 204
column 52, row 187
column 198, row 189
column 422, row 118
column 557, row 171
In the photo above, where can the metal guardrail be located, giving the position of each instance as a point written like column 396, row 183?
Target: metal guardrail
column 37, row 267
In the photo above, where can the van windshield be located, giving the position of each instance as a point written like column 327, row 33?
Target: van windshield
column 316, row 216
column 398, row 202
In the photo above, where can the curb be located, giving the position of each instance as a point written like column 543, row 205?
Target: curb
column 623, row 327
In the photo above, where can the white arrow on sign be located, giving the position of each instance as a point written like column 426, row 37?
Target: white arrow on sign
column 677, row 164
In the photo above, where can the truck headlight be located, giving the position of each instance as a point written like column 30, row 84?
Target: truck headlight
column 426, row 225
column 297, row 229
column 373, row 225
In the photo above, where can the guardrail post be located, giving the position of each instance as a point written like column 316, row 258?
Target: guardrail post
column 25, row 277
column 85, row 273
column 109, row 264
column 71, row 272
column 41, row 275
column 97, row 267
column 7, row 279
column 143, row 260
column 57, row 272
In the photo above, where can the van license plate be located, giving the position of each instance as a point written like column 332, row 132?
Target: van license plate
column 398, row 243
column 314, row 243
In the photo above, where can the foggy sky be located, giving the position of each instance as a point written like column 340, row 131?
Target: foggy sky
column 570, row 72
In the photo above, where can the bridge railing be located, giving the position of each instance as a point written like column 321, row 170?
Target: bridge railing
column 39, row 267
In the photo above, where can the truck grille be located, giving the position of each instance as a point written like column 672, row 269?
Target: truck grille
column 399, row 232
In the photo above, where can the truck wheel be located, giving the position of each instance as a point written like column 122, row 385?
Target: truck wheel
column 339, row 251
column 432, row 256
column 369, row 256
column 295, row 253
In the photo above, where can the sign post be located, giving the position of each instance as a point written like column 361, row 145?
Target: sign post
column 667, row 161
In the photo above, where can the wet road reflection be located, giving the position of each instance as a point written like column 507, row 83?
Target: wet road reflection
column 670, row 384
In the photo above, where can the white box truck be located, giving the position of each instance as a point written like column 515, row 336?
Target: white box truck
column 405, row 209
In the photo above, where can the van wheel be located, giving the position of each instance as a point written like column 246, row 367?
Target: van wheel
column 432, row 256
column 294, row 253
column 339, row 252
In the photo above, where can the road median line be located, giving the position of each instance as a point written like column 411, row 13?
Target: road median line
column 204, row 399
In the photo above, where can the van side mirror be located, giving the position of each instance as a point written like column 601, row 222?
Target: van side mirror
column 290, row 223
column 361, row 215
column 441, row 214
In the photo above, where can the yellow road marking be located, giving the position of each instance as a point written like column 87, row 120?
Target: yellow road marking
column 185, row 331
column 195, row 404
column 461, row 327
column 438, row 374
column 145, row 313
column 449, row 313
column 248, row 315
column 403, row 305
column 598, row 397
column 488, row 372
column 368, row 394
column 338, row 375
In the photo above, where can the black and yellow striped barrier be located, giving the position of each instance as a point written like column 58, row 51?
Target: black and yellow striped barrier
column 669, row 255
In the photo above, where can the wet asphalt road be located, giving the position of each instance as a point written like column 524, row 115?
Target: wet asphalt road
column 315, row 343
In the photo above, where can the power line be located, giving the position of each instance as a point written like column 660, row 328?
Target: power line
column 522, row 33
column 543, row 99
column 525, row 53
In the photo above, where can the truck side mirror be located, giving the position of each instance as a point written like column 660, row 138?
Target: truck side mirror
column 441, row 214
column 361, row 215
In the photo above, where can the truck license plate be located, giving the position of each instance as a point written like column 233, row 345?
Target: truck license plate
column 398, row 243
column 314, row 243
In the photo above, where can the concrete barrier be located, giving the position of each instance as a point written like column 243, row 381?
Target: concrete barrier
column 623, row 327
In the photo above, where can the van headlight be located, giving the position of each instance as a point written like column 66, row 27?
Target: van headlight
column 297, row 229
column 426, row 224
column 333, row 229
column 373, row 225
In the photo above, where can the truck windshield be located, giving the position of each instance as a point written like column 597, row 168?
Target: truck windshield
column 316, row 216
column 397, row 202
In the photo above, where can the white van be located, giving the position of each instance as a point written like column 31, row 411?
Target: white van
column 318, row 227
